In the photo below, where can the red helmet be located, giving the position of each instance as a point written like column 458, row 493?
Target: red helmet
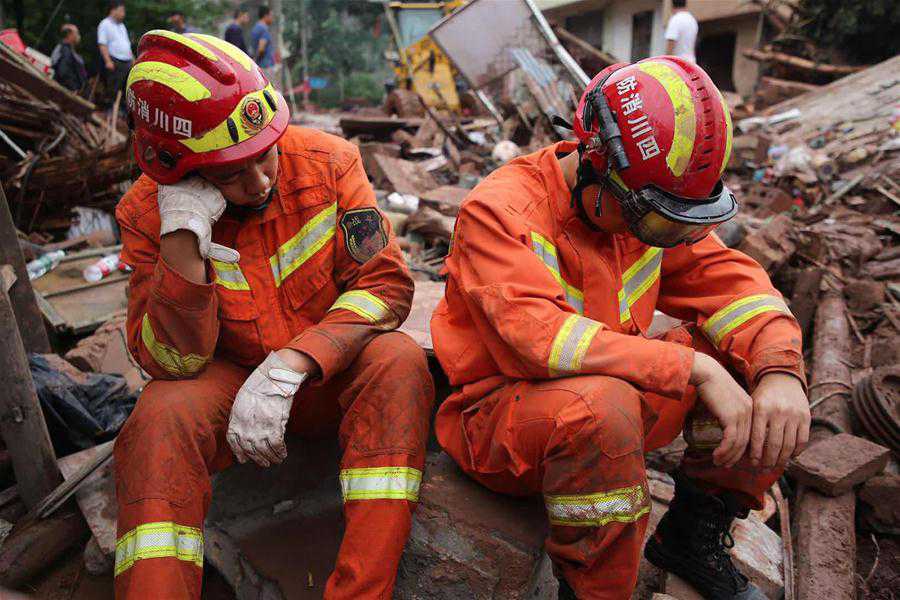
column 658, row 136
column 197, row 101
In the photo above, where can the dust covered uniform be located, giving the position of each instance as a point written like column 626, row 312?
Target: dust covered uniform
column 560, row 392
column 318, row 273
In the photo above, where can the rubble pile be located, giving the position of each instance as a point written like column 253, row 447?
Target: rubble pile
column 56, row 151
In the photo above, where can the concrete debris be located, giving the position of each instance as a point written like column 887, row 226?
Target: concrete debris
column 839, row 463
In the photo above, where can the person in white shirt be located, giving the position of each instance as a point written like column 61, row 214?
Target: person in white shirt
column 115, row 49
column 681, row 32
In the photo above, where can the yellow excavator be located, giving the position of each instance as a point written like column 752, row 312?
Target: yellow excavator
column 420, row 67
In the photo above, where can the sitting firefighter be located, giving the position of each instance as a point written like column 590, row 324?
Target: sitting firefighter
column 559, row 260
column 265, row 295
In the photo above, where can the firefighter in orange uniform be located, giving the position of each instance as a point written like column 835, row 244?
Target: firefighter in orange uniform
column 265, row 292
column 558, row 262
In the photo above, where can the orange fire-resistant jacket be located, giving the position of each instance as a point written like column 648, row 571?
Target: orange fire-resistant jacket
column 319, row 271
column 534, row 293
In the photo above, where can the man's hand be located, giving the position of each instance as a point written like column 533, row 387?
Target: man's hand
column 729, row 404
column 261, row 410
column 780, row 420
column 110, row 66
column 194, row 204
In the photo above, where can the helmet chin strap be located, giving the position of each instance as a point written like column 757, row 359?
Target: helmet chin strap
column 585, row 177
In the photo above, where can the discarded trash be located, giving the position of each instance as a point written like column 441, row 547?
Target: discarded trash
column 101, row 268
column 44, row 264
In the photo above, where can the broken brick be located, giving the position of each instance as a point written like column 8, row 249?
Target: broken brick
column 864, row 294
column 837, row 464
column 880, row 495
column 771, row 246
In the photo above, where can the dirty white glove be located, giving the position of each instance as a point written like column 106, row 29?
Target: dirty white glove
column 261, row 410
column 194, row 204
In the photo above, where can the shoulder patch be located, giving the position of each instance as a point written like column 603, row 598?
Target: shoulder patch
column 364, row 234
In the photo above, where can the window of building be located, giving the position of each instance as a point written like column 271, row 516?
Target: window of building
column 641, row 34
column 715, row 53
column 588, row 26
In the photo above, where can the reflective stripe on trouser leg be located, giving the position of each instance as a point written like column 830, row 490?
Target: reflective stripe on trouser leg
column 623, row 505
column 165, row 539
column 381, row 483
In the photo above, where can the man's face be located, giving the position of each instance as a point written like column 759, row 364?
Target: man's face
column 243, row 18
column 74, row 36
column 177, row 21
column 247, row 183
column 118, row 13
column 267, row 19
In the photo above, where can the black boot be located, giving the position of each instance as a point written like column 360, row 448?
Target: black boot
column 565, row 590
column 692, row 541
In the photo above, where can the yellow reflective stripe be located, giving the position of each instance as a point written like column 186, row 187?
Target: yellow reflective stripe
column 164, row 539
column 311, row 238
column 732, row 316
column 219, row 138
column 548, row 255
column 637, row 279
column 182, row 39
column 165, row 74
column 381, row 483
column 367, row 305
column 231, row 50
column 571, row 344
column 685, row 116
column 623, row 505
column 230, row 276
column 168, row 357
column 728, row 134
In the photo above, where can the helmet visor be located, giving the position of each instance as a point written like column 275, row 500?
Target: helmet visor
column 665, row 220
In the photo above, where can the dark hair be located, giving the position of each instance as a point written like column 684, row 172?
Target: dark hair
column 264, row 11
column 239, row 11
column 176, row 13
column 679, row 3
column 65, row 30
column 114, row 4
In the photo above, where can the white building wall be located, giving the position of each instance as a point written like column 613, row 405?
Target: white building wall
column 617, row 30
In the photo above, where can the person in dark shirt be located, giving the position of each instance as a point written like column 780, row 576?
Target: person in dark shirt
column 68, row 66
column 234, row 33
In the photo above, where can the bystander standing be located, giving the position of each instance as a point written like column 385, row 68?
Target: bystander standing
column 234, row 33
column 115, row 50
column 681, row 32
column 68, row 66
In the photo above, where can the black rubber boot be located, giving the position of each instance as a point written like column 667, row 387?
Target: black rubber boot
column 565, row 590
column 692, row 541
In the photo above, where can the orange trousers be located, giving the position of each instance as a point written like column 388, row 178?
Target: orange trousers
column 175, row 439
column 580, row 441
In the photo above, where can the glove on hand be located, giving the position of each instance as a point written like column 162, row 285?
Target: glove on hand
column 194, row 204
column 261, row 410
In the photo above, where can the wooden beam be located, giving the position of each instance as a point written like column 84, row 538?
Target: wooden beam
column 579, row 43
column 826, row 531
column 21, row 294
column 804, row 64
column 22, row 423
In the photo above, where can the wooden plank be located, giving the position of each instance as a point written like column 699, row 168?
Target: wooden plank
column 15, row 70
column 21, row 420
column 21, row 294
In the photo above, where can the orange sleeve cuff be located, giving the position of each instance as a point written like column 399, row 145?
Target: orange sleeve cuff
column 325, row 349
column 171, row 287
column 782, row 361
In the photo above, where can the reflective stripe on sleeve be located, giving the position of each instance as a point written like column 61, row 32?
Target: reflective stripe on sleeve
column 230, row 276
column 159, row 540
column 571, row 344
column 311, row 238
column 168, row 357
column 367, row 305
column 381, row 483
column 637, row 279
column 624, row 505
column 727, row 319
column 548, row 255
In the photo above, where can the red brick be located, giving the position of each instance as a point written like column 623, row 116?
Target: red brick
column 837, row 464
column 825, row 546
column 881, row 495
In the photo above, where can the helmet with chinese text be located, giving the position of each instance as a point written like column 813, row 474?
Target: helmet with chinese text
column 197, row 101
column 657, row 135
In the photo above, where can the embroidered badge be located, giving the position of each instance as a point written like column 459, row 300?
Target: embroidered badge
column 252, row 115
column 364, row 234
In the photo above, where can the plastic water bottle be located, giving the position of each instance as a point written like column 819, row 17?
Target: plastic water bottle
column 44, row 263
column 101, row 268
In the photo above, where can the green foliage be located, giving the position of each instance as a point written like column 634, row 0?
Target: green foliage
column 32, row 18
column 865, row 31
column 344, row 46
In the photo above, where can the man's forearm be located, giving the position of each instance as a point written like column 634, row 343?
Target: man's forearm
column 104, row 52
column 180, row 251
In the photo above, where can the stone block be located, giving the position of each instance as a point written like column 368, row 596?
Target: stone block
column 825, row 546
column 677, row 587
column 758, row 554
column 468, row 542
column 837, row 464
